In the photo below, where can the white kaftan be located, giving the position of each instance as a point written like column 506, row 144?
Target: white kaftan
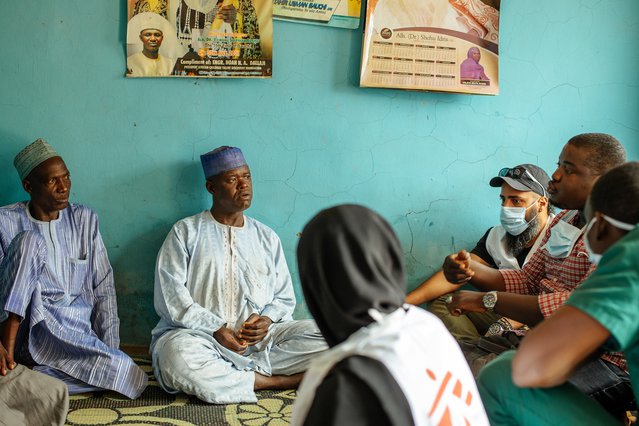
column 141, row 66
column 210, row 275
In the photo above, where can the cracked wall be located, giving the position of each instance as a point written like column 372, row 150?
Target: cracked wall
column 312, row 137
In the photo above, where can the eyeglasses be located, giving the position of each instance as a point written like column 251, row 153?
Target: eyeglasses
column 518, row 173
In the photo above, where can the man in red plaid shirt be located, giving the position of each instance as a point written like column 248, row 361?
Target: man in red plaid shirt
column 560, row 265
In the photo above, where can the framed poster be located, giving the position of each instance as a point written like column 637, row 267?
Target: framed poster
column 434, row 45
column 199, row 38
column 332, row 13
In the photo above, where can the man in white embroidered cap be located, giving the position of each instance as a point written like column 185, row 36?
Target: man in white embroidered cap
column 56, row 284
column 152, row 30
column 225, row 298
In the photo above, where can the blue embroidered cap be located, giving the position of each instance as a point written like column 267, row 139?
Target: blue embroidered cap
column 221, row 160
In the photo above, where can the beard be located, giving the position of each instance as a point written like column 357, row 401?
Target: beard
column 516, row 243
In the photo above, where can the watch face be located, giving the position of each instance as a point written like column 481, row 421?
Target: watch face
column 489, row 300
column 495, row 329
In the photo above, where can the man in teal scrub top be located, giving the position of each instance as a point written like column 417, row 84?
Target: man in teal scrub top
column 529, row 387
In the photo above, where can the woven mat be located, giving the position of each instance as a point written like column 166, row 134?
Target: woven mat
column 156, row 407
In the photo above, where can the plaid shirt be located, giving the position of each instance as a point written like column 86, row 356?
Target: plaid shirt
column 553, row 279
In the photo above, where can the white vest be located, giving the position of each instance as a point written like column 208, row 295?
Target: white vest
column 496, row 246
column 422, row 357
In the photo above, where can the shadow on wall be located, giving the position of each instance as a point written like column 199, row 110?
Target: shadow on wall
column 133, row 257
column 355, row 54
column 10, row 187
column 134, row 272
column 122, row 28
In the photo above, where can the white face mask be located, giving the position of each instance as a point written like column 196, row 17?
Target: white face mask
column 592, row 256
column 513, row 219
column 596, row 257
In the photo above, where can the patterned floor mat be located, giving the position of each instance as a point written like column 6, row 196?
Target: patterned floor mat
column 156, row 407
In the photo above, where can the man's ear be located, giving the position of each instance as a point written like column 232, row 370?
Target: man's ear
column 602, row 227
column 26, row 184
column 210, row 187
column 543, row 203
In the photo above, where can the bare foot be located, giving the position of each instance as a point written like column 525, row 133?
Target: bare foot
column 277, row 382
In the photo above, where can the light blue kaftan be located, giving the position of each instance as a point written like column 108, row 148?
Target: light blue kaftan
column 56, row 275
column 209, row 275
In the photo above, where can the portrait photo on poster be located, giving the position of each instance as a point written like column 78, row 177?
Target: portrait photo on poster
column 199, row 38
column 470, row 71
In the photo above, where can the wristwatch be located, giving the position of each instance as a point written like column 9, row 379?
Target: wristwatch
column 489, row 300
column 498, row 327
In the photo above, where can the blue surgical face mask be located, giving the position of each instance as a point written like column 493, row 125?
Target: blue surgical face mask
column 513, row 219
column 596, row 257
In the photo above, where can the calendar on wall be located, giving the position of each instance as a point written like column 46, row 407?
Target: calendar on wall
column 433, row 45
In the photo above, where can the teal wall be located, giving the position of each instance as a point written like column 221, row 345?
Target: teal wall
column 312, row 136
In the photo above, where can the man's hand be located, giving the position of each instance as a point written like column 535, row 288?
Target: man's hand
column 6, row 362
column 457, row 268
column 9, row 330
column 463, row 302
column 227, row 338
column 227, row 13
column 254, row 329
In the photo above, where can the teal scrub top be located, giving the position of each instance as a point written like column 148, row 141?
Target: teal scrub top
column 611, row 296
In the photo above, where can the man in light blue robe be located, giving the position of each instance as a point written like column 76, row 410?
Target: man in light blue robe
column 58, row 284
column 225, row 298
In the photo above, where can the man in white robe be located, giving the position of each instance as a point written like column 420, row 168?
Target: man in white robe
column 225, row 298
column 149, row 62
column 141, row 65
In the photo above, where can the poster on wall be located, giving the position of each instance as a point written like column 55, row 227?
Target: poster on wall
column 332, row 13
column 433, row 45
column 199, row 38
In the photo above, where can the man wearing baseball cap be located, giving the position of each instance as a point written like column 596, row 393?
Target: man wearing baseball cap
column 559, row 266
column 524, row 218
column 529, row 387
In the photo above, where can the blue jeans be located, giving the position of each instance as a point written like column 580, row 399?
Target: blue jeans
column 607, row 384
column 508, row 404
